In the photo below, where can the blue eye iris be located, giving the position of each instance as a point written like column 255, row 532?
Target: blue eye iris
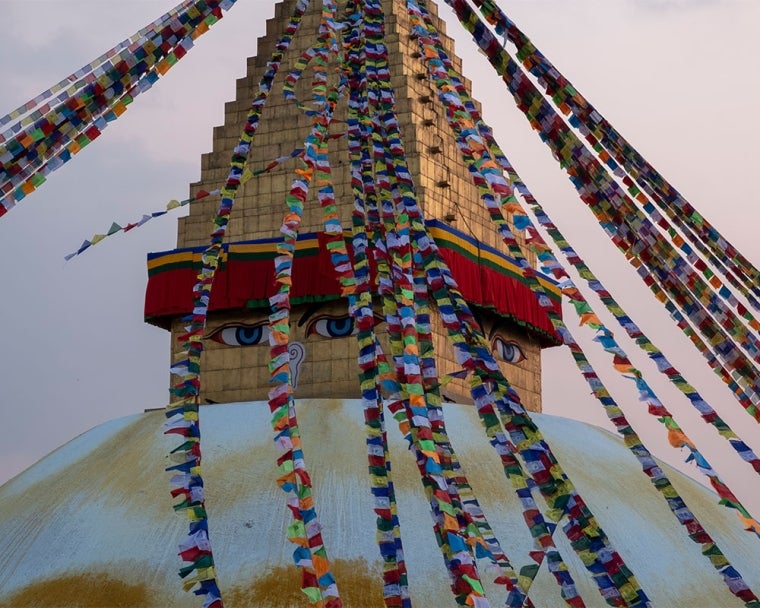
column 241, row 335
column 508, row 351
column 329, row 327
column 246, row 336
column 340, row 327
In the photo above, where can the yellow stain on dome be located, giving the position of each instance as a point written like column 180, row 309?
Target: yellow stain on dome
column 92, row 590
column 358, row 584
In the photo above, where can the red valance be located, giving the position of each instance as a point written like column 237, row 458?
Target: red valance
column 245, row 280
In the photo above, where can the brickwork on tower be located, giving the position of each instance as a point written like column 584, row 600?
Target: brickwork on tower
column 443, row 186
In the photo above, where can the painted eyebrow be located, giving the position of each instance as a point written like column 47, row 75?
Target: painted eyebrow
column 309, row 312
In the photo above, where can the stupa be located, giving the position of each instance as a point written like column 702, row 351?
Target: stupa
column 92, row 523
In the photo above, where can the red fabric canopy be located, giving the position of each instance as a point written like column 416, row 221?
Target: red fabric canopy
column 245, row 280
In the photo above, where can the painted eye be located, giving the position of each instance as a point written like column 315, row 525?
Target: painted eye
column 332, row 327
column 241, row 335
column 507, row 351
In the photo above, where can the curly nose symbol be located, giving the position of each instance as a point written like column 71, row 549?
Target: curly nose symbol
column 297, row 352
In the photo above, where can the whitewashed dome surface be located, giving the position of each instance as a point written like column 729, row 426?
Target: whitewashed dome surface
column 92, row 523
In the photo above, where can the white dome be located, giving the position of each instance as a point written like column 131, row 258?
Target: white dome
column 92, row 523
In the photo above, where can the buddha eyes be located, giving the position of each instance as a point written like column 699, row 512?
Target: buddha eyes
column 331, row 327
column 241, row 335
column 335, row 327
column 507, row 350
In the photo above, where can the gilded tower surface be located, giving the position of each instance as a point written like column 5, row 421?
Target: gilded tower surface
column 444, row 189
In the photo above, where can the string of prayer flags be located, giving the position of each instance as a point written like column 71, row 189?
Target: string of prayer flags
column 188, row 486
column 29, row 156
column 115, row 228
column 318, row 582
column 35, row 108
column 620, row 156
column 187, row 392
column 375, row 375
column 185, row 406
column 175, row 204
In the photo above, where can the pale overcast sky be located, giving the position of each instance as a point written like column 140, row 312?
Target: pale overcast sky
column 677, row 77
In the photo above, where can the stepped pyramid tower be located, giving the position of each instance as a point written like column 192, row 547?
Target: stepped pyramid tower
column 445, row 193
column 92, row 524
